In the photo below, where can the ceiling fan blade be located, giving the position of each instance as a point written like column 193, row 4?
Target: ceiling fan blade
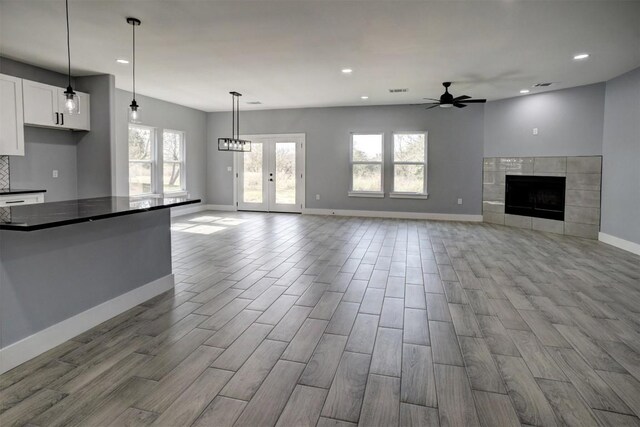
column 433, row 106
column 432, row 99
column 460, row 98
column 459, row 105
column 474, row 101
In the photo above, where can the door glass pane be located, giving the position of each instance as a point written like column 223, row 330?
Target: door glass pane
column 252, row 178
column 172, row 177
column 408, row 178
column 367, row 177
column 286, row 173
column 139, row 178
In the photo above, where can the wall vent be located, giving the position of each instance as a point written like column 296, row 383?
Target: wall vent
column 542, row 84
column 402, row 90
column 254, row 102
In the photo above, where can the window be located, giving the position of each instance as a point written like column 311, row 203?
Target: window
column 173, row 167
column 142, row 141
column 367, row 165
column 409, row 164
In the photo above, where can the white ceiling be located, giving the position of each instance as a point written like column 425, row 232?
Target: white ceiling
column 290, row 53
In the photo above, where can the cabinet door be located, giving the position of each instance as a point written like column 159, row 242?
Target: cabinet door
column 40, row 103
column 11, row 116
column 78, row 121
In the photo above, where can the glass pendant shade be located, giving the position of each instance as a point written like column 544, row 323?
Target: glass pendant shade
column 134, row 112
column 71, row 104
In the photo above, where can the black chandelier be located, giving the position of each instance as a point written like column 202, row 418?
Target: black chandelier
column 234, row 143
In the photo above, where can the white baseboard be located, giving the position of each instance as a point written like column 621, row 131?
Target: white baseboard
column 36, row 344
column 399, row 215
column 626, row 245
column 221, row 208
column 188, row 209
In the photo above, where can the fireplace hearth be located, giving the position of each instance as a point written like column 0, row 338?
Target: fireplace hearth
column 535, row 196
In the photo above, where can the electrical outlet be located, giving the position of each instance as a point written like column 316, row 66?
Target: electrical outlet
column 535, row 131
column 459, row 201
column 317, row 197
column 229, row 168
column 55, row 173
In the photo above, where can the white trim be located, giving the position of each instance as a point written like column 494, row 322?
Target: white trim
column 623, row 244
column 229, row 208
column 400, row 215
column 408, row 196
column 188, row 209
column 376, row 194
column 36, row 344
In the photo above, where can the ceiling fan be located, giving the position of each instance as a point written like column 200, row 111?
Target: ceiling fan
column 447, row 100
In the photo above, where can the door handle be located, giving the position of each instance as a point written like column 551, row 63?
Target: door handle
column 271, row 179
column 57, row 118
column 62, row 119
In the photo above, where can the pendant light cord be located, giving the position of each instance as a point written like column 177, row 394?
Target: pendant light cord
column 68, row 42
column 134, row 61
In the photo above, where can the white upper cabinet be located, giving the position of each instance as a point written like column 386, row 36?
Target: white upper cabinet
column 11, row 116
column 44, row 106
column 40, row 104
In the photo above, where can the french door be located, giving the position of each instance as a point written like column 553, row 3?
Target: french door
column 270, row 178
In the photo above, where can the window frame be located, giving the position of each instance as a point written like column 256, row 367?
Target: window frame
column 182, row 163
column 405, row 194
column 153, row 162
column 357, row 193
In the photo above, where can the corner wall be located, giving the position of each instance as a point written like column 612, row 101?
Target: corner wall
column 455, row 154
column 621, row 155
column 569, row 123
column 161, row 115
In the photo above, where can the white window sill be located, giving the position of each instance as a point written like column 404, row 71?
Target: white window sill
column 374, row 194
column 176, row 194
column 147, row 196
column 408, row 196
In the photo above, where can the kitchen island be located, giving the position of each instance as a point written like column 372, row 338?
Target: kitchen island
column 68, row 266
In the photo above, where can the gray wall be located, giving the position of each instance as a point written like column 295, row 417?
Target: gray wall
column 621, row 158
column 162, row 115
column 45, row 149
column 569, row 123
column 455, row 154
column 95, row 147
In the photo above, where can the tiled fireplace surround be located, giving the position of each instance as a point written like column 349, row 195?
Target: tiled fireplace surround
column 582, row 193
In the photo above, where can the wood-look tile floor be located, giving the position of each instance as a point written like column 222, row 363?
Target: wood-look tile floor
column 293, row 320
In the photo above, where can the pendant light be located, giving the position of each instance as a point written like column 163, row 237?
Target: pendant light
column 71, row 104
column 234, row 143
column 134, row 112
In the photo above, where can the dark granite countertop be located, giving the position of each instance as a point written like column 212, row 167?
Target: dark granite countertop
column 56, row 214
column 6, row 191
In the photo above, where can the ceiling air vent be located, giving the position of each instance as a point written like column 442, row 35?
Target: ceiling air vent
column 403, row 90
column 542, row 84
column 254, row 102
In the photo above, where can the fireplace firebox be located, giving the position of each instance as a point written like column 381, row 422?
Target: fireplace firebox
column 536, row 196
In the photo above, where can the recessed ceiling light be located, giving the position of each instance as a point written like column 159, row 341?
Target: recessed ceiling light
column 122, row 61
column 581, row 56
column 525, row 91
column 364, row 97
column 347, row 71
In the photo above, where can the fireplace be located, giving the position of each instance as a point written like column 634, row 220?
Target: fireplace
column 535, row 196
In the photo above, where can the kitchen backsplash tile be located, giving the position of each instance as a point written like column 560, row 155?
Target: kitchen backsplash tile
column 4, row 172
